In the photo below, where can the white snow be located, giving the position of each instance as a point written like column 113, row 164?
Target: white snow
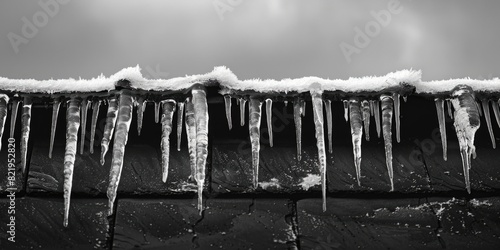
column 310, row 180
column 433, row 87
column 271, row 183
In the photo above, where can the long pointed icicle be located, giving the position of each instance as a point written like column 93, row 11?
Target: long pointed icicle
column 157, row 112
column 180, row 117
column 13, row 116
column 55, row 113
column 4, row 101
column 387, row 111
column 84, row 109
column 448, row 106
column 191, row 136
column 487, row 117
column 376, row 111
column 496, row 110
column 397, row 115
column 346, row 110
column 317, row 102
column 355, row 116
column 242, row 104
column 467, row 122
column 95, row 114
column 329, row 120
column 366, row 118
column 141, row 106
column 125, row 110
column 372, row 107
column 26, row 123
column 72, row 126
column 109, row 127
column 442, row 126
column 269, row 116
column 255, row 114
column 297, row 117
column 201, row 116
column 168, row 108
column 227, row 104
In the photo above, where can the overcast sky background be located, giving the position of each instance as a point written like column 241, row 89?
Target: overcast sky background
column 257, row 39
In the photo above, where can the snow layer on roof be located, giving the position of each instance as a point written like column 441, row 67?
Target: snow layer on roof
column 51, row 86
column 434, row 87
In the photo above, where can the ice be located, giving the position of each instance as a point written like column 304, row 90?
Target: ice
column 329, row 120
column 366, row 107
column 449, row 108
column 25, row 130
column 496, row 110
column 84, row 109
column 356, row 119
column 387, row 110
column 303, row 109
column 442, row 126
column 140, row 113
column 95, row 114
column 479, row 109
column 168, row 108
column 180, row 117
column 109, row 127
column 467, row 122
column 346, row 110
column 242, row 102
column 4, row 101
column 191, row 135
column 13, row 116
column 157, row 112
column 376, row 111
column 227, row 104
column 397, row 115
column 297, row 117
column 269, row 116
column 286, row 103
column 317, row 102
column 372, row 107
column 55, row 113
column 200, row 106
column 72, row 126
column 255, row 114
column 124, row 118
column 487, row 117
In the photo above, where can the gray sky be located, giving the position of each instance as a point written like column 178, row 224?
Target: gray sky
column 254, row 38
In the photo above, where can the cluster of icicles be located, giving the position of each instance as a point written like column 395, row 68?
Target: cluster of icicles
column 118, row 119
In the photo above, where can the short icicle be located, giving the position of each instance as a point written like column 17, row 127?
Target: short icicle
column 448, row 106
column 442, row 126
column 479, row 108
column 109, row 127
column 487, row 117
column 356, row 118
column 346, row 110
column 201, row 117
column 13, row 116
column 496, row 110
column 227, row 104
column 242, row 104
column 255, row 114
column 467, row 122
column 141, row 106
column 4, row 101
column 125, row 110
column 25, row 130
column 72, row 126
column 180, row 117
column 269, row 116
column 329, row 121
column 297, row 117
column 95, row 114
column 55, row 113
column 397, row 115
column 191, row 136
column 303, row 109
column 168, row 108
column 317, row 102
column 157, row 112
column 376, row 111
column 84, row 109
column 366, row 118
column 387, row 111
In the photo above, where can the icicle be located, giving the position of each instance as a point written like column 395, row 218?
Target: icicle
column 317, row 102
column 55, row 113
column 84, row 109
column 466, row 123
column 72, row 126
column 25, row 121
column 356, row 119
column 405, row 98
column 397, row 115
column 387, row 110
column 479, row 109
column 4, row 100
column 168, row 108
column 442, row 126
column 191, row 136
column 180, row 116
column 366, row 118
column 13, row 117
column 372, row 108
column 201, row 117
column 125, row 110
column 255, row 113
column 346, row 110
column 109, row 127
column 227, row 103
column 95, row 114
column 487, row 117
column 297, row 117
column 286, row 103
column 329, row 120
column 496, row 110
column 242, row 102
column 303, row 109
column 269, row 116
column 157, row 112
column 376, row 110
column 450, row 111
column 141, row 106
